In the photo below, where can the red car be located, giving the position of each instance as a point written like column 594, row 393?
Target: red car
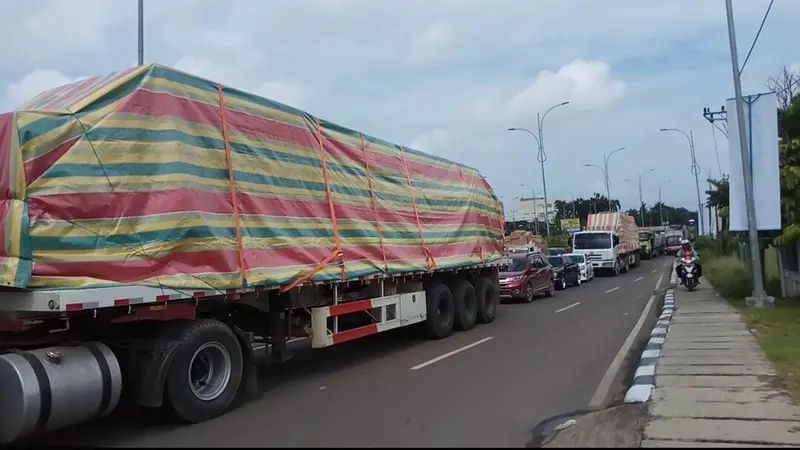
column 527, row 276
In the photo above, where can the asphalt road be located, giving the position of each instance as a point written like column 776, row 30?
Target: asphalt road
column 534, row 362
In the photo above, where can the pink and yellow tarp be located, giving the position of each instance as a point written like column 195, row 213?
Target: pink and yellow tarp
column 152, row 176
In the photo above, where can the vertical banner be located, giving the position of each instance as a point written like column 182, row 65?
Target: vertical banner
column 761, row 126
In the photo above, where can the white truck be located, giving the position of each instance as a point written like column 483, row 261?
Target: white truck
column 610, row 242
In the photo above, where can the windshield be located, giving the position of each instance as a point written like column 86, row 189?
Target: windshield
column 592, row 241
column 577, row 259
column 518, row 264
column 673, row 239
column 556, row 260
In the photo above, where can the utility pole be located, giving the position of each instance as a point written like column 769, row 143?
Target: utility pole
column 695, row 171
column 638, row 184
column 661, row 203
column 759, row 298
column 141, row 32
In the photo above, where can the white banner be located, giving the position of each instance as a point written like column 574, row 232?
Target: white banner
column 761, row 124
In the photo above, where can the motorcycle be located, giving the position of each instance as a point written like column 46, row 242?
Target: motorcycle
column 689, row 271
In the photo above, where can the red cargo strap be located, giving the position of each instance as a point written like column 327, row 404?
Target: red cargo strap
column 234, row 199
column 430, row 262
column 337, row 251
column 374, row 201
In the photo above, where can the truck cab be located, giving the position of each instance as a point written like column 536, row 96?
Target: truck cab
column 601, row 248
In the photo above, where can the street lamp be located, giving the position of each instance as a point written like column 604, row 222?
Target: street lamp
column 638, row 184
column 606, row 179
column 542, row 156
column 661, row 203
column 695, row 171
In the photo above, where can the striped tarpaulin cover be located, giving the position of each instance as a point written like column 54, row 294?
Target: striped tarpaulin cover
column 141, row 177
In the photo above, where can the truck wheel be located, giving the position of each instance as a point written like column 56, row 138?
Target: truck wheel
column 637, row 259
column 466, row 305
column 486, row 292
column 441, row 312
column 205, row 374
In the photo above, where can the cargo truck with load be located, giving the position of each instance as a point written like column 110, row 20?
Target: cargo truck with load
column 156, row 227
column 610, row 242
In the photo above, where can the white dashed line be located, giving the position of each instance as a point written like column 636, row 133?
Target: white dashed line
column 612, row 290
column 567, row 307
column 449, row 354
column 637, row 279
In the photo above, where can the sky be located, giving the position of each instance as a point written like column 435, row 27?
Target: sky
column 447, row 77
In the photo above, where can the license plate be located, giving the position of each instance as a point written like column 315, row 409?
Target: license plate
column 689, row 275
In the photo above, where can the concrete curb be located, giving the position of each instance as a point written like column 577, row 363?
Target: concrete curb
column 644, row 380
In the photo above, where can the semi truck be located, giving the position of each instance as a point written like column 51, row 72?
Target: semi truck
column 610, row 242
column 156, row 227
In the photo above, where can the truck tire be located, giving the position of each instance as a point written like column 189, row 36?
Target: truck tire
column 466, row 302
column 637, row 259
column 205, row 375
column 441, row 312
column 487, row 294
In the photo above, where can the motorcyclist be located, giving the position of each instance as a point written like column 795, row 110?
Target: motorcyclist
column 687, row 251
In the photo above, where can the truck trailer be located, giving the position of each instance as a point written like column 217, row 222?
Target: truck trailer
column 610, row 242
column 156, row 226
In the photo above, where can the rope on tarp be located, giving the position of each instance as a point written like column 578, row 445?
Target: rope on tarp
column 232, row 180
column 430, row 261
column 374, row 202
column 337, row 251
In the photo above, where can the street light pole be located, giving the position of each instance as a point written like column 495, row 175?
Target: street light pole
column 606, row 179
column 759, row 298
column 542, row 157
column 639, row 186
column 661, row 203
column 141, row 32
column 695, row 171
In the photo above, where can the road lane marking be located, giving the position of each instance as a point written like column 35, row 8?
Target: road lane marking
column 637, row 279
column 612, row 290
column 568, row 307
column 603, row 388
column 449, row 354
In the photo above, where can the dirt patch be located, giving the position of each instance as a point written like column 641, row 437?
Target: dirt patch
column 618, row 426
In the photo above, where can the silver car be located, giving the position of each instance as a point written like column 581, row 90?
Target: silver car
column 586, row 270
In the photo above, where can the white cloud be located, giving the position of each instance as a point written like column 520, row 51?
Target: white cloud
column 33, row 84
column 448, row 76
column 436, row 141
column 586, row 85
column 285, row 92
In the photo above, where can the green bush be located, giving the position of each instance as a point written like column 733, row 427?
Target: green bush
column 714, row 247
column 729, row 276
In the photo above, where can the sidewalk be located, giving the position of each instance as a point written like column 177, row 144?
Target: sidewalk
column 714, row 387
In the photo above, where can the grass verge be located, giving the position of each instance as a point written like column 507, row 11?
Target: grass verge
column 778, row 329
column 778, row 333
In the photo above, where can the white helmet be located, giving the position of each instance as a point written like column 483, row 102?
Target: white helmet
column 685, row 242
